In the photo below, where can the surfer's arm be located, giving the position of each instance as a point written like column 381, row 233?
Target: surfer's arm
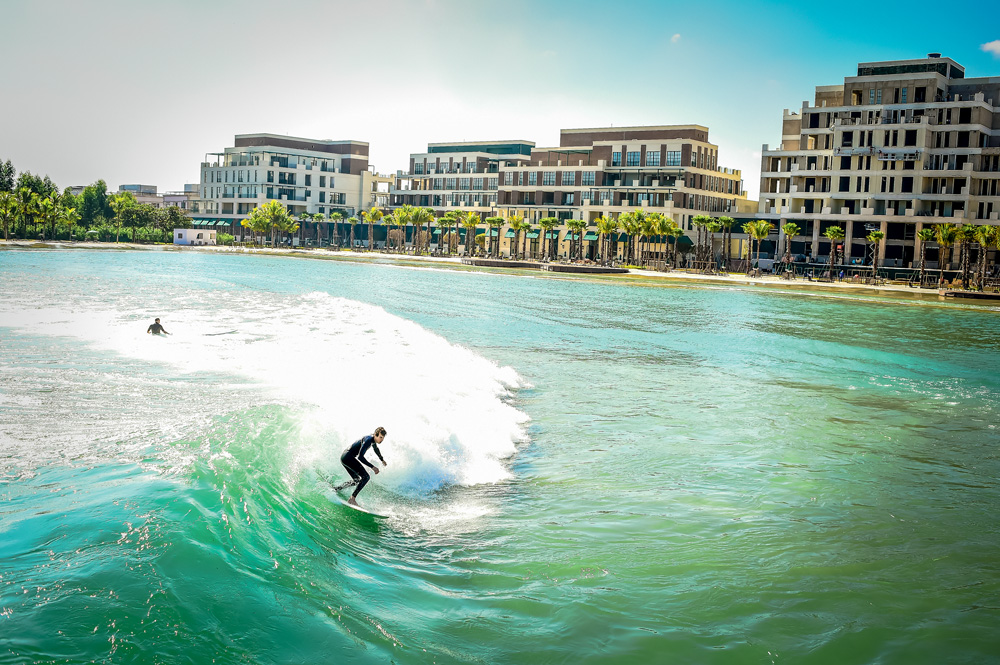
column 377, row 452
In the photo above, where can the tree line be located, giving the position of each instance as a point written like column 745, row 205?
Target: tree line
column 32, row 207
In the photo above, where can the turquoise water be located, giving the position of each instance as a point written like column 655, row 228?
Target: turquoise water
column 579, row 471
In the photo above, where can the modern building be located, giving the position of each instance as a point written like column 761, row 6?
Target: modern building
column 900, row 145
column 194, row 236
column 593, row 172
column 143, row 194
column 309, row 176
column 186, row 200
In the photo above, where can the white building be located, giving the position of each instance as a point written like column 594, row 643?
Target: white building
column 196, row 236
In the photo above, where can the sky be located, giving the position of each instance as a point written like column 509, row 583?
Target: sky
column 139, row 91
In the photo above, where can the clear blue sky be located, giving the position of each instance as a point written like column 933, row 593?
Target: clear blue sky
column 138, row 92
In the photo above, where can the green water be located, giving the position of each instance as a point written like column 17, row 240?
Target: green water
column 579, row 471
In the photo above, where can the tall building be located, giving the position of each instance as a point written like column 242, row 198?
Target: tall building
column 901, row 145
column 307, row 175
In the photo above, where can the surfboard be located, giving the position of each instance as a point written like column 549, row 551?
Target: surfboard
column 361, row 509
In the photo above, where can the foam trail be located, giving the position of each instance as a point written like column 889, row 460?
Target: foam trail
column 344, row 366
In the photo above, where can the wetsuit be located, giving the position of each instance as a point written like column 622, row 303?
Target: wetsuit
column 156, row 329
column 354, row 457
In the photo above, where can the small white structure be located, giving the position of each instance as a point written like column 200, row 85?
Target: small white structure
column 194, row 237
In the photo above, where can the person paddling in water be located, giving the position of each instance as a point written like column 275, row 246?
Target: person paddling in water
column 354, row 457
column 156, row 329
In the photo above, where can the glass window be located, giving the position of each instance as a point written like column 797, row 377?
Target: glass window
column 533, row 178
column 616, row 159
column 569, row 177
column 438, row 183
column 878, row 96
column 491, row 183
column 449, row 183
column 673, row 158
column 902, row 99
column 632, row 158
column 477, row 183
column 508, row 178
column 653, row 158
column 418, row 168
column 548, row 178
column 569, row 199
column 463, row 183
column 588, row 178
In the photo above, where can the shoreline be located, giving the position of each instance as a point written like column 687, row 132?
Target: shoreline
column 634, row 277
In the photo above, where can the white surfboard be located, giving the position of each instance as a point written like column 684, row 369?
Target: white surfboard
column 361, row 509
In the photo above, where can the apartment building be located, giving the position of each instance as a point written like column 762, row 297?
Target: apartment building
column 901, row 145
column 452, row 176
column 306, row 175
column 593, row 172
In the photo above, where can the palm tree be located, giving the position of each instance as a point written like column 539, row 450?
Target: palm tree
column 448, row 223
column 404, row 216
column 547, row 224
column 517, row 225
column 372, row 216
column 727, row 239
column 758, row 229
column 420, row 217
column 69, row 217
column 662, row 227
column 495, row 223
column 713, row 226
column 926, row 235
column 335, row 218
column 875, row 237
column 966, row 235
column 699, row 221
column 945, row 235
column 606, row 227
column 987, row 237
column 257, row 223
column 27, row 207
column 576, row 226
column 526, row 227
column 123, row 204
column 834, row 234
column 470, row 221
column 675, row 232
column 8, row 209
column 791, row 230
column 353, row 221
column 631, row 226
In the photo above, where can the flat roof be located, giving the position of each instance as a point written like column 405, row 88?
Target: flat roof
column 644, row 128
column 298, row 138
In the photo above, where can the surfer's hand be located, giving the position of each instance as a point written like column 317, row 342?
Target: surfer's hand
column 375, row 469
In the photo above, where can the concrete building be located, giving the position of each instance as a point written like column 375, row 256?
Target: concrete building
column 143, row 194
column 900, row 145
column 309, row 176
column 194, row 236
column 593, row 172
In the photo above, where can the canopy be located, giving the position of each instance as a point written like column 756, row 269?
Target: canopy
column 590, row 236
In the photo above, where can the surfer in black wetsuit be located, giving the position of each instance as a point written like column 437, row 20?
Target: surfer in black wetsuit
column 354, row 457
column 156, row 329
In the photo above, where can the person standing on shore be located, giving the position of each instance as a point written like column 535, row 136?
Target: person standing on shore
column 156, row 329
column 354, row 457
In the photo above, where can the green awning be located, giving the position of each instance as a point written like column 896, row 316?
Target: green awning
column 533, row 234
column 684, row 240
column 493, row 233
column 509, row 234
column 552, row 235
column 222, row 222
column 590, row 236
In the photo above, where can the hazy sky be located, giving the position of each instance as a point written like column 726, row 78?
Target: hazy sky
column 138, row 92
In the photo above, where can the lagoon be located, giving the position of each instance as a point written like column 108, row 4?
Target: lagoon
column 579, row 470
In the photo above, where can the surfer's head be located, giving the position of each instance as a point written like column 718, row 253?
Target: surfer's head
column 379, row 434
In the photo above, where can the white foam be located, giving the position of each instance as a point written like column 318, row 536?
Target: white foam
column 344, row 366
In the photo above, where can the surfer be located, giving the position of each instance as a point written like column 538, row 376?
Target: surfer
column 156, row 329
column 354, row 457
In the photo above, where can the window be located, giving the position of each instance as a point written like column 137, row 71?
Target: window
column 588, row 178
column 910, row 137
column 568, row 177
column 673, row 158
column 845, row 163
column 903, row 97
column 463, row 183
column 309, row 180
column 520, row 178
column 449, row 183
column 632, row 158
column 477, row 183
column 533, row 178
column 847, row 140
column 322, row 197
column 569, row 199
column 878, row 96
column 871, row 96
column 491, row 183
column 508, row 178
column 418, row 168
column 652, row 159
column 322, row 181
column 906, row 184
column 438, row 183
column 548, row 178
column 616, row 159
column 845, row 183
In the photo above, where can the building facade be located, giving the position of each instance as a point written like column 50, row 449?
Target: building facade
column 593, row 172
column 309, row 177
column 901, row 145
